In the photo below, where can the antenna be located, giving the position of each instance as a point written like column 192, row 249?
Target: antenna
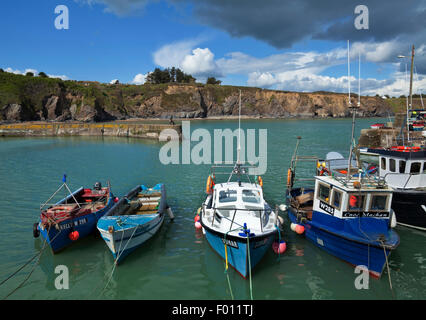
column 349, row 80
column 239, row 131
column 359, row 79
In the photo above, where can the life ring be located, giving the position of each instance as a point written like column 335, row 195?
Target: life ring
column 371, row 169
column 209, row 185
column 289, row 177
column 323, row 171
column 260, row 181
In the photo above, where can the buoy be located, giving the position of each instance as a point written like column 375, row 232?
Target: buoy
column 299, row 229
column 74, row 235
column 283, row 207
column 115, row 199
column 170, row 213
column 196, row 218
column 279, row 248
column 198, row 225
column 393, row 219
column 281, row 220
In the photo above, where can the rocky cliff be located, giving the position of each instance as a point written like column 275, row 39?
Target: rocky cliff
column 24, row 98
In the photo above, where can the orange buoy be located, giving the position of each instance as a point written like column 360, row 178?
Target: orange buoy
column 196, row 218
column 74, row 235
column 279, row 248
column 353, row 201
column 299, row 229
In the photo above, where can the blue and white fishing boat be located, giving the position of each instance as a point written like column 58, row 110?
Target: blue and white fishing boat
column 73, row 217
column 134, row 219
column 237, row 222
column 346, row 212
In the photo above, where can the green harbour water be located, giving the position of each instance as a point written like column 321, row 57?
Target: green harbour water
column 178, row 263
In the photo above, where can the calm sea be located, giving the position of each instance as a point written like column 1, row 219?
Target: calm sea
column 178, row 263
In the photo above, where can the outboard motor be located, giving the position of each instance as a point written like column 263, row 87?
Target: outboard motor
column 97, row 186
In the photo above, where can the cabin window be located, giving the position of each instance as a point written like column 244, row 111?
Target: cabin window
column 323, row 192
column 379, row 203
column 424, row 167
column 383, row 163
column 251, row 196
column 392, row 165
column 356, row 202
column 415, row 167
column 402, row 164
column 227, row 196
column 336, row 199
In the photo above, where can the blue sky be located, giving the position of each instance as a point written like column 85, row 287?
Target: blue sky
column 111, row 39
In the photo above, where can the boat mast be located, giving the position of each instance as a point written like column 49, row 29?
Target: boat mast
column 348, row 175
column 411, row 77
column 239, row 132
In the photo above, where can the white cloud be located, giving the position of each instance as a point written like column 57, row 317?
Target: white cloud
column 35, row 72
column 200, row 63
column 172, row 55
column 139, row 78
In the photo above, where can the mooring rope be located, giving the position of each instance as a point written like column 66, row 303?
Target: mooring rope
column 34, row 266
column 118, row 257
column 249, row 266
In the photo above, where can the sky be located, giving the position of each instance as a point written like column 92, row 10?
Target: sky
column 273, row 44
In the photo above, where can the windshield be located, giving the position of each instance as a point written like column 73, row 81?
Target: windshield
column 227, row 196
column 251, row 196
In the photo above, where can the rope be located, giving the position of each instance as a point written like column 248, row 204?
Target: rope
column 249, row 265
column 118, row 257
column 33, row 268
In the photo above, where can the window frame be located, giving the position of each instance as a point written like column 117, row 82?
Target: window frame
column 333, row 192
column 420, row 167
column 318, row 192
column 392, row 161
column 363, row 202
column 387, row 206
column 383, row 162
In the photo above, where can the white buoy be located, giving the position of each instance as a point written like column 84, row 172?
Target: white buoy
column 281, row 220
column 293, row 227
column 170, row 213
column 283, row 207
column 393, row 219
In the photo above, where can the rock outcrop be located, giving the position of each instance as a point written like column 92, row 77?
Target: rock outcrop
column 33, row 98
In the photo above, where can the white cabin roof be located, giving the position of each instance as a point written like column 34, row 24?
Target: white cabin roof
column 366, row 185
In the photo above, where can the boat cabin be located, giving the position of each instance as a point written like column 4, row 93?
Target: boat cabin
column 343, row 199
column 406, row 170
column 235, row 203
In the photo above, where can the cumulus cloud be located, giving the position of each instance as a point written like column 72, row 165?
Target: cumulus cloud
column 200, row 63
column 139, row 78
column 172, row 55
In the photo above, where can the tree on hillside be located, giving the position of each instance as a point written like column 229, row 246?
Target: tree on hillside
column 1, row 70
column 29, row 74
column 212, row 80
column 169, row 75
column 42, row 75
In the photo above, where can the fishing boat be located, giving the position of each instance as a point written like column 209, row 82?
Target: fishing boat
column 377, row 126
column 344, row 210
column 348, row 216
column 404, row 170
column 134, row 219
column 236, row 220
column 74, row 217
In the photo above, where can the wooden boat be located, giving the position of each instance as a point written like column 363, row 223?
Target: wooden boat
column 134, row 219
column 73, row 217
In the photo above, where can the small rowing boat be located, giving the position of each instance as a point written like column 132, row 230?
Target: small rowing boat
column 134, row 219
